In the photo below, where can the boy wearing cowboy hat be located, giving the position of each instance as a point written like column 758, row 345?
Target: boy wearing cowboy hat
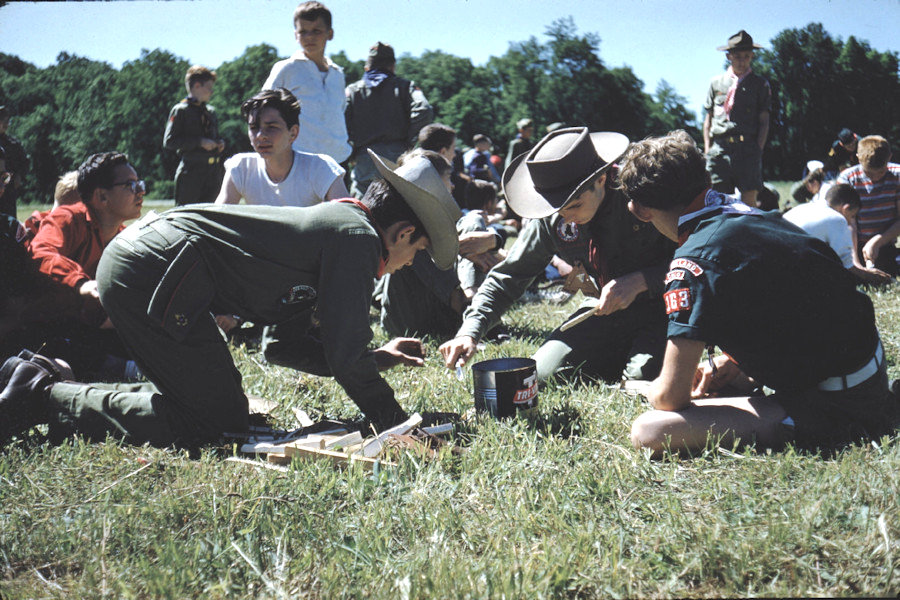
column 165, row 276
column 566, row 186
column 736, row 123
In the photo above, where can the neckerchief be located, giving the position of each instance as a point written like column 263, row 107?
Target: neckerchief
column 382, row 263
column 729, row 97
column 374, row 77
column 709, row 203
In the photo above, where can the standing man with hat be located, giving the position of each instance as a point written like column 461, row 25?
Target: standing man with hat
column 736, row 124
column 384, row 113
column 567, row 186
column 163, row 278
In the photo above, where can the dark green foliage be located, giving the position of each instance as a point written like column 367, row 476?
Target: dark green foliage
column 820, row 85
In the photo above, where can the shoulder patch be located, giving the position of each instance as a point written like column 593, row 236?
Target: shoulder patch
column 567, row 232
column 677, row 300
column 683, row 263
column 674, row 275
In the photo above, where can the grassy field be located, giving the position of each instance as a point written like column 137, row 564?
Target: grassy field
column 554, row 505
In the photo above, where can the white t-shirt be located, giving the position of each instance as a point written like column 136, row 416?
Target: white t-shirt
column 311, row 176
column 821, row 221
column 323, row 129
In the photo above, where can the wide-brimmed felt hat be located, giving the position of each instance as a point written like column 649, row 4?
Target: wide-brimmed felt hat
column 425, row 192
column 739, row 41
column 556, row 171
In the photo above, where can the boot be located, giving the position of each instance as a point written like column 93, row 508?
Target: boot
column 23, row 400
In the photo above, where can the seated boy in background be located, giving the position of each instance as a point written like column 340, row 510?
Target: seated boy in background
column 778, row 303
column 276, row 174
column 481, row 202
column 877, row 180
column 67, row 245
column 832, row 222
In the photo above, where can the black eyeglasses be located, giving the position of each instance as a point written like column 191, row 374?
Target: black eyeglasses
column 136, row 187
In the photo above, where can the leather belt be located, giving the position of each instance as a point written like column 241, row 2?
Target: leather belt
column 732, row 139
column 845, row 382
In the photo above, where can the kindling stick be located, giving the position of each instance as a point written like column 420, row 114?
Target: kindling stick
column 579, row 319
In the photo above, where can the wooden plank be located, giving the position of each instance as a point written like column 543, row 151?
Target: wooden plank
column 343, row 441
column 337, row 458
column 375, row 447
column 441, row 429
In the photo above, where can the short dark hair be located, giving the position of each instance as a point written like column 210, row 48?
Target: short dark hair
column 280, row 99
column 842, row 193
column 388, row 207
column 479, row 193
column 198, row 74
column 436, row 136
column 814, row 175
column 664, row 172
column 97, row 172
column 310, row 11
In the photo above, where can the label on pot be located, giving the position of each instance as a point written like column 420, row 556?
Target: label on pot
column 525, row 396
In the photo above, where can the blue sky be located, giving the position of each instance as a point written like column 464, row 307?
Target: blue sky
column 674, row 40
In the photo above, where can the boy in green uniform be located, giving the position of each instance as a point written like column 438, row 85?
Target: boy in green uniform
column 736, row 124
column 164, row 277
column 566, row 186
column 193, row 132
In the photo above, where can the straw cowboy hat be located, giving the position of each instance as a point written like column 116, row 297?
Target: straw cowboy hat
column 739, row 41
column 556, row 171
column 425, row 193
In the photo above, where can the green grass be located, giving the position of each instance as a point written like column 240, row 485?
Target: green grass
column 554, row 505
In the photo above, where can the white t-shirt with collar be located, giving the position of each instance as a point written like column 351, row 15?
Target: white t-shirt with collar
column 307, row 183
column 322, row 100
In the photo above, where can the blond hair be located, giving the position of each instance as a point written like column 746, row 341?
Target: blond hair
column 873, row 152
column 66, row 191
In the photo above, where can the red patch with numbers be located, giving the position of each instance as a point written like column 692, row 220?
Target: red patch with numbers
column 677, row 300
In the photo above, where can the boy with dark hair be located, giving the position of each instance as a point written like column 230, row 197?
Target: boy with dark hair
column 877, row 180
column 842, row 154
column 566, row 186
column 440, row 138
column 831, row 221
column 779, row 304
column 163, row 276
column 522, row 142
column 276, row 174
column 193, row 132
column 317, row 83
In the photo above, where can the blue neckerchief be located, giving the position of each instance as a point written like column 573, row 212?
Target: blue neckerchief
column 374, row 77
column 713, row 203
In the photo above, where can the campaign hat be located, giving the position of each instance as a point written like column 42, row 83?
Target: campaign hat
column 559, row 169
column 739, row 41
column 426, row 194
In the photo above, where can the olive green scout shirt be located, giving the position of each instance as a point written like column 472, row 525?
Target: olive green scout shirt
column 752, row 97
column 189, row 122
column 268, row 264
column 614, row 243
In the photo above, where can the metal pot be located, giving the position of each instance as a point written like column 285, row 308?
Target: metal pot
column 505, row 385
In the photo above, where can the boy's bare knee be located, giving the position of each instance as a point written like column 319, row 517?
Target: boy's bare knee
column 647, row 432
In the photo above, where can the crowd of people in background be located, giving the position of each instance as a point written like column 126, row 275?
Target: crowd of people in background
column 347, row 184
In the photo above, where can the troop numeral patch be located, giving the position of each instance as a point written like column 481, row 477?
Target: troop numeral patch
column 677, row 300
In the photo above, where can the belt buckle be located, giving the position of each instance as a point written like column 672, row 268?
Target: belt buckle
column 212, row 160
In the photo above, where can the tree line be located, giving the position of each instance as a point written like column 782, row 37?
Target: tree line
column 64, row 112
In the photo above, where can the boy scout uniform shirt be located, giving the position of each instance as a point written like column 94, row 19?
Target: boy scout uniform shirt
column 189, row 121
column 752, row 97
column 268, row 264
column 776, row 300
column 614, row 243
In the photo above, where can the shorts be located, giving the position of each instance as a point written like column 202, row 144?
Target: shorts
column 831, row 420
column 737, row 165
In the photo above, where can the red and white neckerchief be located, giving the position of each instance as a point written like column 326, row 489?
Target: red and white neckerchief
column 735, row 82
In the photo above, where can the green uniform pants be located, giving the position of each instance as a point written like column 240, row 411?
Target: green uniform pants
column 629, row 343
column 196, row 392
column 197, row 181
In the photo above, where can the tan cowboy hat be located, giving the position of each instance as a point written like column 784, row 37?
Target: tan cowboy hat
column 739, row 41
column 556, row 171
column 425, row 193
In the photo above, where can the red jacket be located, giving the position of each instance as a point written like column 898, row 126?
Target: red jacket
column 67, row 245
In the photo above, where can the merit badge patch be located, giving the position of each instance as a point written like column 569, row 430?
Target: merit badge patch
column 674, row 275
column 683, row 263
column 567, row 232
column 677, row 300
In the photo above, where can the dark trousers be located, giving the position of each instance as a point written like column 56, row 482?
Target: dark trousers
column 196, row 392
column 197, row 181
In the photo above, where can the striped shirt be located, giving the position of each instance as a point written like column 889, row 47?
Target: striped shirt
column 878, row 200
